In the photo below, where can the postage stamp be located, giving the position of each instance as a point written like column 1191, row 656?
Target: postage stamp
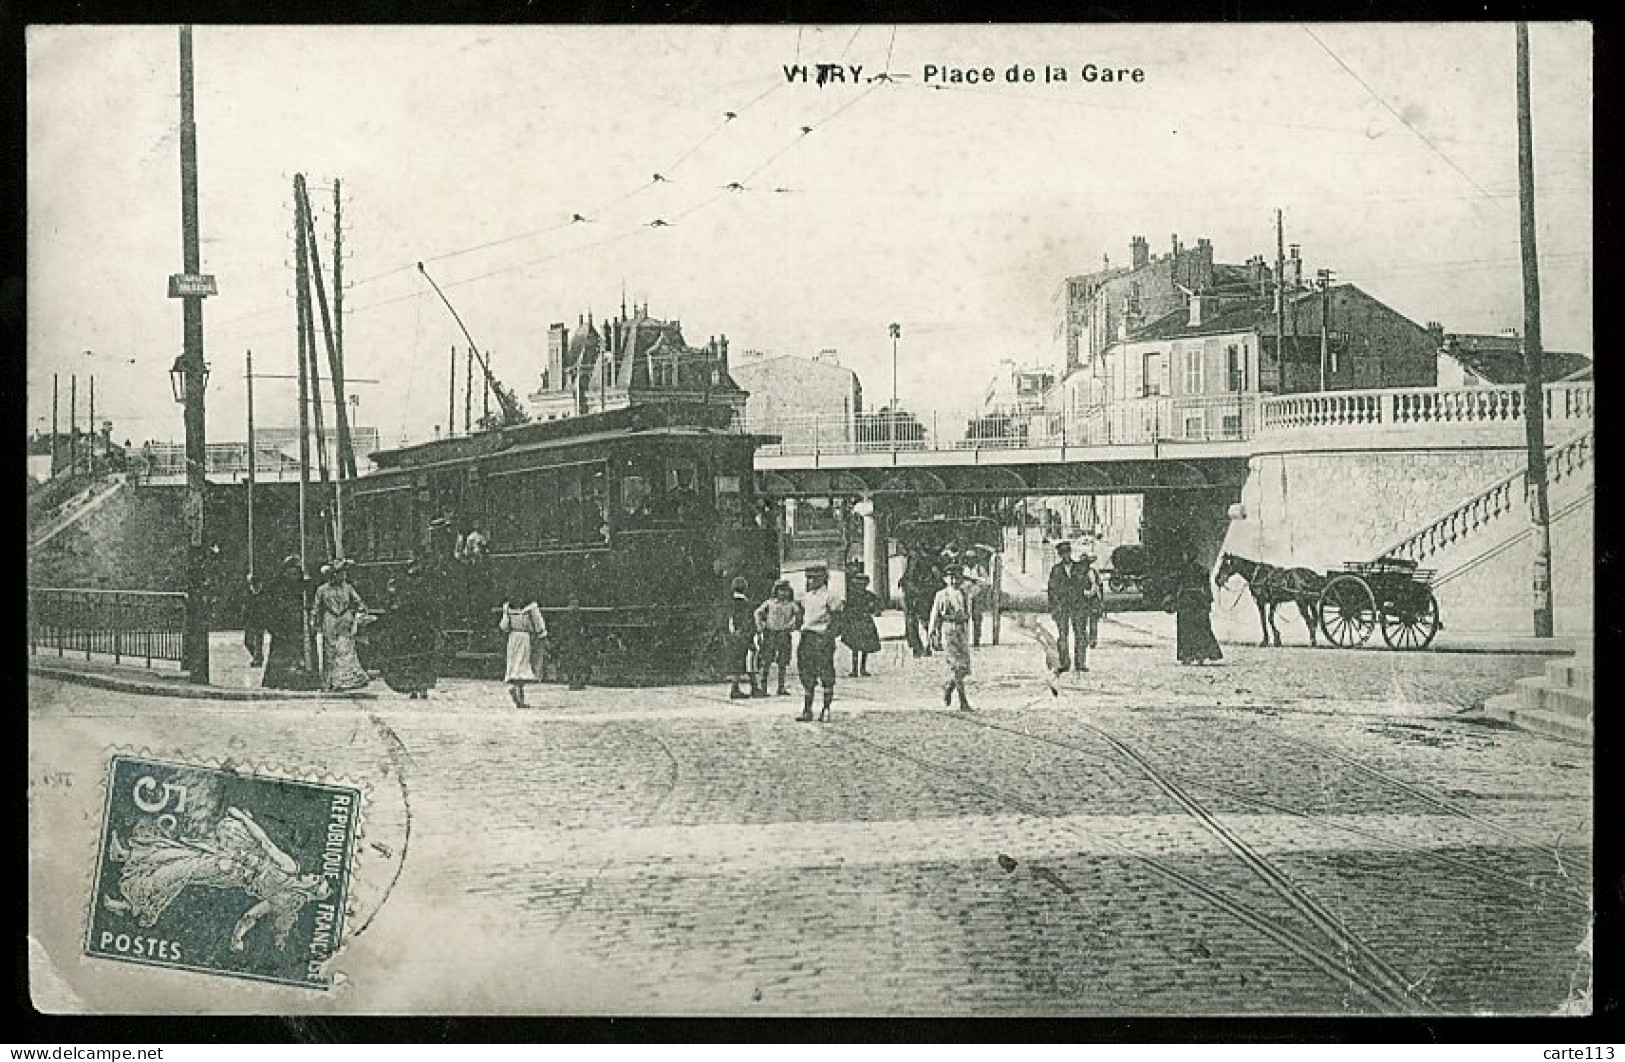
column 223, row 872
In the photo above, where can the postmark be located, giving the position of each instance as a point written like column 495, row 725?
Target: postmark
column 219, row 871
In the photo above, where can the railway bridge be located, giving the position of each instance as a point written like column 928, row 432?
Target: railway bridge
column 1313, row 480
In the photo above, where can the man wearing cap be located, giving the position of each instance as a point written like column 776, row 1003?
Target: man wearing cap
column 815, row 654
column 950, row 632
column 1068, row 606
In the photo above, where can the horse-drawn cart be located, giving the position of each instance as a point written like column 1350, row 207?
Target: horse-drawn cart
column 1391, row 593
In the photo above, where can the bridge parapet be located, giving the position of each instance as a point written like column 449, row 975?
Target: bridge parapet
column 1422, row 407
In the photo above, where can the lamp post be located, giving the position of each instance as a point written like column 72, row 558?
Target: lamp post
column 891, row 421
column 189, row 377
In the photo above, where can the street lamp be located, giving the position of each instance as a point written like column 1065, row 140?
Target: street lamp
column 178, row 378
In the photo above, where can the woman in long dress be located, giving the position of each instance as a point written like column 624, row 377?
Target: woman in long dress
column 1194, row 642
column 410, row 660
column 284, row 617
column 525, row 627
column 950, row 632
column 336, row 613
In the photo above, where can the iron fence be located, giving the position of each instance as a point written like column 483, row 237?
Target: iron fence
column 128, row 625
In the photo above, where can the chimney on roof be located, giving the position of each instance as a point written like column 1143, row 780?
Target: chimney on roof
column 1295, row 263
column 722, row 351
column 1202, row 308
column 1174, row 239
column 1202, row 266
column 1140, row 252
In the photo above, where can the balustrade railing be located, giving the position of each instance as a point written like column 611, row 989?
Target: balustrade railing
column 220, row 459
column 139, row 626
column 1501, row 497
column 1416, row 406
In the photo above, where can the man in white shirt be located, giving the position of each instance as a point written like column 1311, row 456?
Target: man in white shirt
column 815, row 655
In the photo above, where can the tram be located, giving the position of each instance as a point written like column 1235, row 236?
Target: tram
column 642, row 515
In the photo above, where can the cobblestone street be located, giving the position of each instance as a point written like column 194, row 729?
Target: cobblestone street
column 1295, row 831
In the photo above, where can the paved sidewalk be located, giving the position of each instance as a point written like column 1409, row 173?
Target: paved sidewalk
column 230, row 676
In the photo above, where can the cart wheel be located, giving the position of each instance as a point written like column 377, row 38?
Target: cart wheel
column 1348, row 612
column 1411, row 624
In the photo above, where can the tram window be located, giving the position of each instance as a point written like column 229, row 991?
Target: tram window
column 730, row 502
column 595, row 499
column 635, row 498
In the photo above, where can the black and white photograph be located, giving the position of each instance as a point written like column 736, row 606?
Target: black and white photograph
column 804, row 520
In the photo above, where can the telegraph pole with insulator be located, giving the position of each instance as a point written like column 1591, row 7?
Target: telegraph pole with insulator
column 1534, row 389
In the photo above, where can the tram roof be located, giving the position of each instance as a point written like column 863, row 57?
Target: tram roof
column 669, row 419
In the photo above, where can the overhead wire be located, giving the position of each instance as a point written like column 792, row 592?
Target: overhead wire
column 1406, row 122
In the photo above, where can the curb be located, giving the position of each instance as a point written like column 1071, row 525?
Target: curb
column 132, row 684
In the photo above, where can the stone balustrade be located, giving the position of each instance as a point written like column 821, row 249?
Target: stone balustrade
column 1566, row 403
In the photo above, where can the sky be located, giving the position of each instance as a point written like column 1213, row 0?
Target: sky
column 953, row 207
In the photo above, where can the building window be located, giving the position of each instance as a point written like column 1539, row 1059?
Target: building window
column 1193, row 372
column 1232, row 425
column 1195, row 424
column 1153, row 366
column 1235, row 368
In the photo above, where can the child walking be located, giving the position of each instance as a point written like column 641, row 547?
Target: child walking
column 525, row 628
column 858, row 628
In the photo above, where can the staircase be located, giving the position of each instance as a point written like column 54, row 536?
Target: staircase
column 1557, row 704
column 1503, row 507
column 48, row 524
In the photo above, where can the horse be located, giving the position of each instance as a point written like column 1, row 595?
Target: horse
column 1272, row 586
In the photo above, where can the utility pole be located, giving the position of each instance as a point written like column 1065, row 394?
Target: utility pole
column 1324, row 278
column 338, row 292
column 335, row 367
column 451, row 394
column 468, row 392
column 55, row 402
column 1534, row 390
column 197, row 620
column 1280, row 303
column 91, row 462
column 73, row 424
column 253, row 456
column 318, row 418
column 300, row 296
column 891, row 421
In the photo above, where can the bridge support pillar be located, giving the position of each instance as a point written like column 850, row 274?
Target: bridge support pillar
column 873, row 562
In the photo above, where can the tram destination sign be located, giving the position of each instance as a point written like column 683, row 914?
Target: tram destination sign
column 191, row 285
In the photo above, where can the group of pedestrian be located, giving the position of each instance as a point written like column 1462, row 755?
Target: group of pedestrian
column 925, row 574
column 279, row 611
column 814, row 623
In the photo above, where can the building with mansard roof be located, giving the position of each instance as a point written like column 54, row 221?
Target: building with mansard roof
column 630, row 360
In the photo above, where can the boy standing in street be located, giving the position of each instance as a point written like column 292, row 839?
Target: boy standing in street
column 775, row 619
column 815, row 655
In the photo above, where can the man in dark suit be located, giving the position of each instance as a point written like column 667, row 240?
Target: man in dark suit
column 1068, row 604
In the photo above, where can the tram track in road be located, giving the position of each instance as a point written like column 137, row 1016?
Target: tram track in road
column 1512, row 884
column 1327, row 923
column 1332, row 949
column 674, row 777
column 1440, row 803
